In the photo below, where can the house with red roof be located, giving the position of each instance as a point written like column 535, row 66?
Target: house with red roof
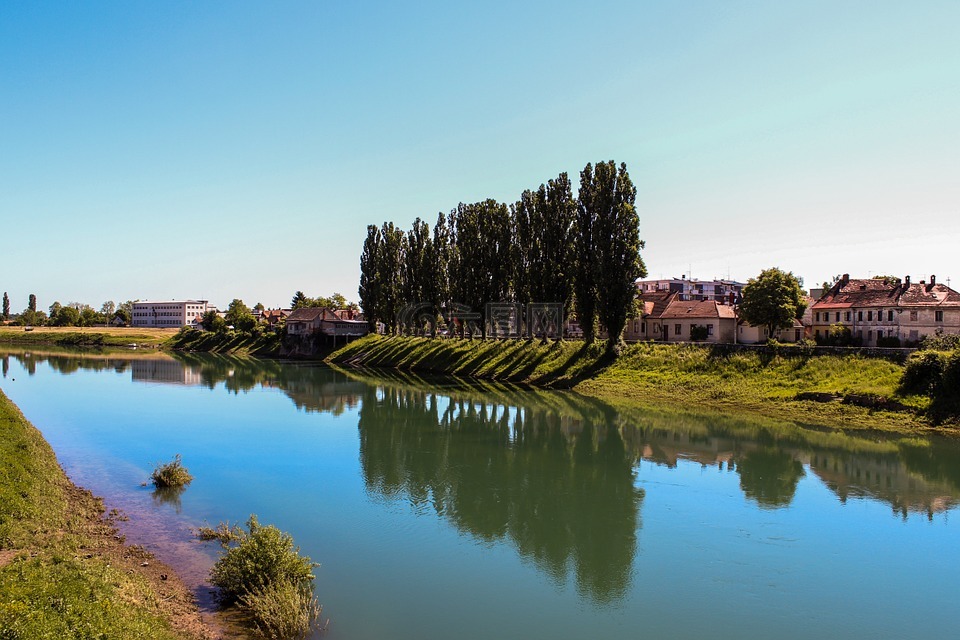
column 878, row 308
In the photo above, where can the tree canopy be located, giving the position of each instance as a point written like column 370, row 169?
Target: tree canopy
column 774, row 299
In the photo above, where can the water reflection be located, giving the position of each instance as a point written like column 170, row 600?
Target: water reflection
column 560, row 488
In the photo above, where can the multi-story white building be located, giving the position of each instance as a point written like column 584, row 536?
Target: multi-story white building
column 169, row 313
column 722, row 291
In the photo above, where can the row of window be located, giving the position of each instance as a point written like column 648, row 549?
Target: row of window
column 824, row 316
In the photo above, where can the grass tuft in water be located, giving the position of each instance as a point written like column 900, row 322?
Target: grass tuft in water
column 171, row 474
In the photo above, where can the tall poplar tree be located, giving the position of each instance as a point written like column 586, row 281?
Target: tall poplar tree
column 586, row 267
column 6, row 306
column 370, row 290
column 32, row 302
column 390, row 273
column 607, row 197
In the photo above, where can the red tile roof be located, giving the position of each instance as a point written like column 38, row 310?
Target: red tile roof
column 697, row 309
column 881, row 293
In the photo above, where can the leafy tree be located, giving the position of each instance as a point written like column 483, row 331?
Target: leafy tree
column 209, row 321
column 390, row 274
column 32, row 303
column 586, row 267
column 239, row 315
column 66, row 317
column 108, row 308
column 611, row 228
column 299, row 300
column 259, row 307
column 55, row 313
column 123, row 315
column 773, row 300
column 481, row 267
column 6, row 306
column 437, row 283
column 31, row 317
column 371, row 288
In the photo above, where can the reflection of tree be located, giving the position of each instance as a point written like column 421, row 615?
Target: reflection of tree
column 169, row 496
column 558, row 487
column 769, row 476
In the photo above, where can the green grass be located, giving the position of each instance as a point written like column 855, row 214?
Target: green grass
column 85, row 337
column 682, row 375
column 233, row 342
column 53, row 583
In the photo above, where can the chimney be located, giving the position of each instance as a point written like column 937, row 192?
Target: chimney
column 933, row 280
column 845, row 279
column 906, row 282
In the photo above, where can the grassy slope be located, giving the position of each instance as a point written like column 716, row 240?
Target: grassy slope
column 232, row 342
column 89, row 336
column 681, row 375
column 62, row 574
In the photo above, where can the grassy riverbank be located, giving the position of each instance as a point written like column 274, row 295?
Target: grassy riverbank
column 64, row 571
column 86, row 336
column 849, row 391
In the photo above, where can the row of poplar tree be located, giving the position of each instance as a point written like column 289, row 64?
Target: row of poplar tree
column 547, row 247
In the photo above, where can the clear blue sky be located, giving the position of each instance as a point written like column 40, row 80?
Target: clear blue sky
column 221, row 150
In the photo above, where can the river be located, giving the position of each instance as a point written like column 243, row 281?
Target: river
column 442, row 509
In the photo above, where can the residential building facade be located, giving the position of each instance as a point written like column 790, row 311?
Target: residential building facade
column 723, row 291
column 168, row 314
column 877, row 308
column 317, row 320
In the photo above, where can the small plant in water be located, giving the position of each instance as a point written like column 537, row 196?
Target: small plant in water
column 171, row 474
column 263, row 573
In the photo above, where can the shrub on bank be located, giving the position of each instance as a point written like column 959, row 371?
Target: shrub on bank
column 264, row 574
column 171, row 474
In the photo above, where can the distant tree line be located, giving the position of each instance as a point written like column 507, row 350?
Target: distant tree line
column 547, row 247
column 73, row 314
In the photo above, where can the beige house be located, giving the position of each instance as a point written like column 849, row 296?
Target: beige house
column 749, row 334
column 314, row 320
column 878, row 308
column 667, row 317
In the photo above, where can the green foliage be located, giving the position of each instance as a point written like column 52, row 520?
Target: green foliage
column 698, row 332
column 838, row 335
column 282, row 611
column 171, row 474
column 5, row 314
column 890, row 342
column 32, row 318
column 263, row 555
column 609, row 195
column 941, row 341
column 923, row 372
column 239, row 316
column 935, row 374
column 774, row 299
column 32, row 302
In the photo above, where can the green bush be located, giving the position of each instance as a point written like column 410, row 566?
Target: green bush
column 941, row 341
column 264, row 574
column 171, row 474
column 889, row 342
column 923, row 373
column 698, row 332
column 283, row 611
column 262, row 556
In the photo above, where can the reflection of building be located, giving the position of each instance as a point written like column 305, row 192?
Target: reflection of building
column 884, row 478
column 167, row 371
column 168, row 313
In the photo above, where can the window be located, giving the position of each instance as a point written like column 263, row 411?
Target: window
column 677, row 329
column 889, row 315
column 643, row 328
column 913, row 316
column 838, row 316
column 869, row 316
column 846, row 316
column 817, row 314
column 818, row 333
column 938, row 316
column 879, row 315
column 860, row 316
column 709, row 329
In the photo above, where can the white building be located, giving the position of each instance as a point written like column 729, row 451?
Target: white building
column 722, row 291
column 167, row 314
